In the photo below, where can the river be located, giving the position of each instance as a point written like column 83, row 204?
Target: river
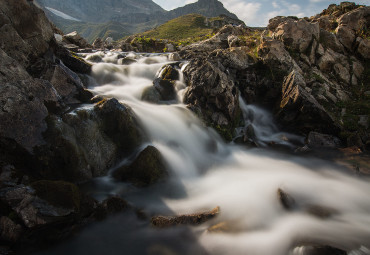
column 205, row 172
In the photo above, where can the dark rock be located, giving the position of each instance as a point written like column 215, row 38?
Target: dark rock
column 191, row 219
column 300, row 111
column 120, row 125
column 32, row 210
column 213, row 96
column 166, row 89
column 58, row 193
column 94, row 58
column 286, row 200
column 72, row 61
column 9, row 231
column 320, row 211
column 148, row 168
column 317, row 140
column 321, row 250
column 86, row 142
column 152, row 95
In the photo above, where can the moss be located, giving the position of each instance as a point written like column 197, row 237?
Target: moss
column 225, row 132
column 58, row 193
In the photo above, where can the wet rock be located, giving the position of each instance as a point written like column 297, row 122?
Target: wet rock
column 286, row 200
column 168, row 72
column 165, row 84
column 321, row 212
column 9, row 231
column 319, row 250
column 86, row 142
column 94, row 58
column 152, row 95
column 317, row 140
column 126, row 61
column 191, row 219
column 212, row 95
column 75, row 38
column 72, row 61
column 297, row 34
column 110, row 206
column 147, row 169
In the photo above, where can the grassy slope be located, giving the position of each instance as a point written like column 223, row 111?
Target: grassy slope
column 188, row 26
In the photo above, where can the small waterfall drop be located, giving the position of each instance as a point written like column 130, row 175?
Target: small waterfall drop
column 243, row 182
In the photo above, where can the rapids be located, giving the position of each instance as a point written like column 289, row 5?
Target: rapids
column 205, row 172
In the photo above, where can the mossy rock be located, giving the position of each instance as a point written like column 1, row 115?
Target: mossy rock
column 169, row 73
column 58, row 193
column 148, row 168
column 166, row 88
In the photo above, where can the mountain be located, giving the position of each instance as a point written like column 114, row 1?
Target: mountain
column 100, row 11
column 87, row 16
column 208, row 8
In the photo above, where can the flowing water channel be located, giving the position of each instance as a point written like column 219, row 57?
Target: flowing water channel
column 205, row 172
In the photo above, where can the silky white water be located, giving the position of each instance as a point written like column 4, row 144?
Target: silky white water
column 205, row 173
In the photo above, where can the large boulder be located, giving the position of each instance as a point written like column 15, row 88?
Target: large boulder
column 147, row 169
column 300, row 111
column 86, row 142
column 297, row 34
column 30, row 23
column 213, row 96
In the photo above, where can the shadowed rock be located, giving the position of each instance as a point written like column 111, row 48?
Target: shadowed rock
column 148, row 168
column 191, row 219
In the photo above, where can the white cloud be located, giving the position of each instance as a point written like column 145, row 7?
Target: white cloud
column 275, row 5
column 294, row 8
column 247, row 12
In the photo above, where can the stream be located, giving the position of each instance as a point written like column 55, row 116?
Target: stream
column 205, row 172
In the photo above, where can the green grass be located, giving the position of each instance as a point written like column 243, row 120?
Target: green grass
column 182, row 28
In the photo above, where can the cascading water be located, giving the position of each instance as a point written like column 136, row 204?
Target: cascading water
column 206, row 172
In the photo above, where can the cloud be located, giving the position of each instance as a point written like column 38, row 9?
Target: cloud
column 275, row 5
column 245, row 11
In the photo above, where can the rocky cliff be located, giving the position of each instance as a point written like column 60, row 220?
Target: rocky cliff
column 313, row 73
column 46, row 144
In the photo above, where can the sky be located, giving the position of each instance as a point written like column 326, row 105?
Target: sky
column 257, row 13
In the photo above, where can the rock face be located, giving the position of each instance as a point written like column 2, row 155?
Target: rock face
column 51, row 135
column 147, row 169
column 308, row 72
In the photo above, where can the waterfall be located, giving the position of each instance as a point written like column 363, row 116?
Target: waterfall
column 205, row 173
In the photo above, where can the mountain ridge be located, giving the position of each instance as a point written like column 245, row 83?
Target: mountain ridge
column 136, row 17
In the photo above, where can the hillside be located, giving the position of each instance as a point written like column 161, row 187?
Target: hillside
column 187, row 26
column 94, row 19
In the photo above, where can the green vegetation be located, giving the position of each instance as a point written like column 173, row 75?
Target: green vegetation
column 91, row 31
column 182, row 28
